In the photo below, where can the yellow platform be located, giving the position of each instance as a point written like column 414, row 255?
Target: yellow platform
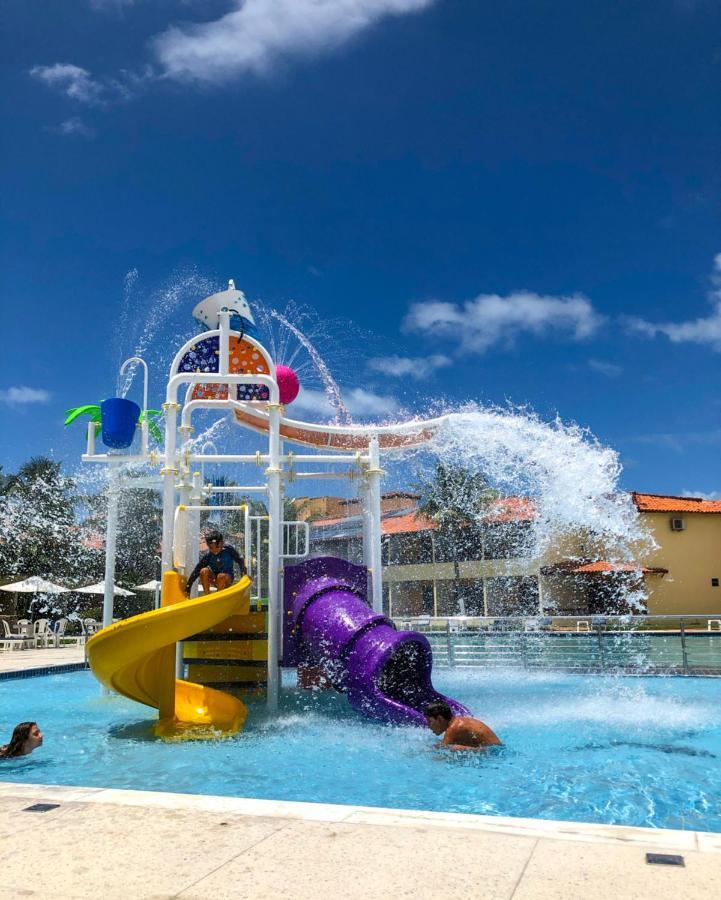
column 136, row 658
column 232, row 655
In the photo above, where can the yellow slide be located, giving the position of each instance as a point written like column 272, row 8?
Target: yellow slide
column 136, row 658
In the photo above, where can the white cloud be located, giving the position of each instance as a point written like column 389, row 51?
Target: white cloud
column 16, row 396
column 703, row 495
column 490, row 319
column 257, row 33
column 610, row 370
column 416, row 367
column 359, row 401
column 73, row 81
column 73, row 126
column 704, row 330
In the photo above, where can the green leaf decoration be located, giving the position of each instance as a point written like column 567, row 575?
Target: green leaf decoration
column 152, row 426
column 89, row 410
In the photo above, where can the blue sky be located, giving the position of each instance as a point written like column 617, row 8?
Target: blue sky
column 526, row 196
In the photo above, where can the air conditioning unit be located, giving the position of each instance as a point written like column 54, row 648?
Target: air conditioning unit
column 677, row 524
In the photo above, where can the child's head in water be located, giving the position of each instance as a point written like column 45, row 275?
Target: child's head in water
column 438, row 716
column 26, row 737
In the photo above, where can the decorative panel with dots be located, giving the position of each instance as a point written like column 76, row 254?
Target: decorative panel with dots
column 244, row 358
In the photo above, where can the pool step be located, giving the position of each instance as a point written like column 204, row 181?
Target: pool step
column 233, row 656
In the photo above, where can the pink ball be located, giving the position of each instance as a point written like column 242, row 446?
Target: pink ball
column 288, row 384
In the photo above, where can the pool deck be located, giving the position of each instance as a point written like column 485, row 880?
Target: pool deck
column 43, row 659
column 120, row 844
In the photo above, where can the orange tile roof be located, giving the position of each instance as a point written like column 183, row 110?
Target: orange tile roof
column 511, row 509
column 666, row 503
column 406, row 524
column 505, row 509
column 322, row 523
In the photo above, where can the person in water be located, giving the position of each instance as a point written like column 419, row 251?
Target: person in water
column 26, row 737
column 459, row 732
column 216, row 566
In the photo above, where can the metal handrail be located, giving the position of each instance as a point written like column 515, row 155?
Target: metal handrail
column 600, row 649
column 472, row 623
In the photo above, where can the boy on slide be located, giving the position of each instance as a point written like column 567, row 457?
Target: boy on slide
column 216, row 567
column 461, row 732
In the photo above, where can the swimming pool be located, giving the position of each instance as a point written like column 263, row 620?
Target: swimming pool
column 629, row 751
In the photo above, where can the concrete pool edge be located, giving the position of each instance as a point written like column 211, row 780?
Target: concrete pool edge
column 585, row 832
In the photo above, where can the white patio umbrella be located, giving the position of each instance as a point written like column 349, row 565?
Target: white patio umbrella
column 35, row 585
column 152, row 585
column 99, row 588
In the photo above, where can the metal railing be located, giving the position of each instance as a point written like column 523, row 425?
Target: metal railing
column 672, row 645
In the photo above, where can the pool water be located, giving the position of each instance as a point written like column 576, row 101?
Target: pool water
column 630, row 751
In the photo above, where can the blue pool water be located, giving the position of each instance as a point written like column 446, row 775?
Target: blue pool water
column 634, row 751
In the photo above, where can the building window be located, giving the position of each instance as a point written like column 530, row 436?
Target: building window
column 714, row 582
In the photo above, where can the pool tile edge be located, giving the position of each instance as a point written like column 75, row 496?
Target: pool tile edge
column 586, row 832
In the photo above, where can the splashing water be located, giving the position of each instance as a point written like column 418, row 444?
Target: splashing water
column 571, row 477
column 332, row 390
column 142, row 319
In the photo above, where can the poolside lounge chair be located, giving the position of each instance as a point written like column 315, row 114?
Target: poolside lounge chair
column 14, row 641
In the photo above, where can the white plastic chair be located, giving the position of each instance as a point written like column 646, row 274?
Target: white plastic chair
column 583, row 625
column 89, row 626
column 59, row 634
column 710, row 625
column 43, row 634
column 13, row 640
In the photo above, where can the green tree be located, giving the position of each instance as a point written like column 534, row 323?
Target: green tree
column 454, row 499
column 37, row 522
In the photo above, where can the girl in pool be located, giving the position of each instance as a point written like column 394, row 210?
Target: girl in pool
column 26, row 737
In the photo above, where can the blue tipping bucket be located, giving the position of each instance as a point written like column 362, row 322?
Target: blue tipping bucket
column 119, row 418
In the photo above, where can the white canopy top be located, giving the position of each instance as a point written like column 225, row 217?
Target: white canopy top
column 151, row 585
column 35, row 585
column 99, row 588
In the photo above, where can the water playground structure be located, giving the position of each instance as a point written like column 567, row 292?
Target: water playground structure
column 322, row 615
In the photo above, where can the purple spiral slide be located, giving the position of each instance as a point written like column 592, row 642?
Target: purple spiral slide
column 328, row 624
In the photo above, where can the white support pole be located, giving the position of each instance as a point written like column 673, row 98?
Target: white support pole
column 111, row 537
column 224, row 343
column 373, row 475
column 189, row 553
column 366, row 520
column 246, row 541
column 192, row 534
column 169, row 473
column 275, row 549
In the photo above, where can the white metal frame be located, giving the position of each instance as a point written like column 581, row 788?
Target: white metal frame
column 185, row 491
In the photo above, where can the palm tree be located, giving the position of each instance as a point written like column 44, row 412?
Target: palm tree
column 93, row 412
column 453, row 499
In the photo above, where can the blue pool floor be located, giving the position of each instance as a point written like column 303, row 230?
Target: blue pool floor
column 630, row 751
